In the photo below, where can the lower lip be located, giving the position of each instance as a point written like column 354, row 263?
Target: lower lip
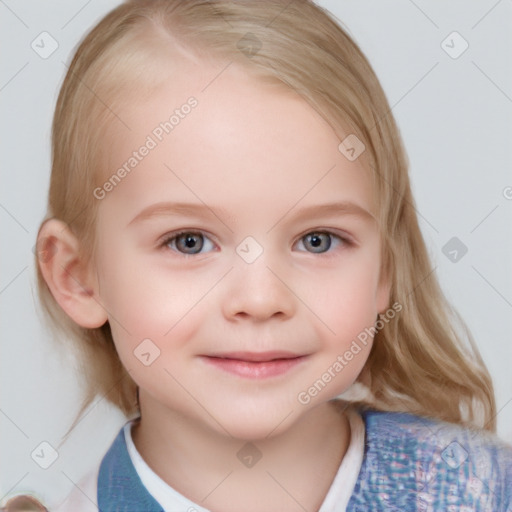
column 255, row 369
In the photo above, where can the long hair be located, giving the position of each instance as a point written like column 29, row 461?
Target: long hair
column 423, row 361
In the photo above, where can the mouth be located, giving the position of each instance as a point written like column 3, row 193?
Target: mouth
column 255, row 365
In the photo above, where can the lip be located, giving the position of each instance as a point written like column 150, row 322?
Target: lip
column 255, row 365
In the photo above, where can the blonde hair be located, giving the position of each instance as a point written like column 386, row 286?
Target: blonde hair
column 419, row 361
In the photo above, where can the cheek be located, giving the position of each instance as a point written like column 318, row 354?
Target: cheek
column 147, row 302
column 348, row 312
column 346, row 300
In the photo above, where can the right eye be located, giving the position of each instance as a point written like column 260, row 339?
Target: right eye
column 188, row 243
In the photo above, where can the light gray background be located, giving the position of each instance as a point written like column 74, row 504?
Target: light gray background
column 455, row 117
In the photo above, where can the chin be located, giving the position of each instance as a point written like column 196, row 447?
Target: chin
column 255, row 429
column 252, row 423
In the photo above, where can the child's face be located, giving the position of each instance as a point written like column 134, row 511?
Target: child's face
column 255, row 167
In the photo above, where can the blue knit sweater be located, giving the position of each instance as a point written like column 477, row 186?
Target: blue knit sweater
column 410, row 463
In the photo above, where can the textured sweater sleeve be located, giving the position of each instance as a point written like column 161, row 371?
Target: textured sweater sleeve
column 413, row 463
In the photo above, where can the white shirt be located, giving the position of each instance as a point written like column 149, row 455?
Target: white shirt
column 84, row 497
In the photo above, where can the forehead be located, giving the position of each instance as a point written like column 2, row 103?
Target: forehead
column 216, row 131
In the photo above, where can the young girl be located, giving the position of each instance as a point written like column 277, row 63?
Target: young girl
column 232, row 244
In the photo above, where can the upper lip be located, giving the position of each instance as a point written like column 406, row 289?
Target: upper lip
column 257, row 356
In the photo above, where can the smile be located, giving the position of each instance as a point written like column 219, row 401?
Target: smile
column 255, row 365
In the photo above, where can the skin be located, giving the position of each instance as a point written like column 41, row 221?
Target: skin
column 257, row 156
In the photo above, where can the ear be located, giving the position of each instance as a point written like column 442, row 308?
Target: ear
column 383, row 293
column 71, row 281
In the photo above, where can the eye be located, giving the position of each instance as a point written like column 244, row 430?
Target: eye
column 321, row 241
column 188, row 242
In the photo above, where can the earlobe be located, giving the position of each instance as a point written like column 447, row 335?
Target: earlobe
column 69, row 278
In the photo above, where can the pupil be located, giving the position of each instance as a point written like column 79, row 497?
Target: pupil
column 190, row 241
column 315, row 240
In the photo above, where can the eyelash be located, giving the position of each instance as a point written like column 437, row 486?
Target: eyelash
column 168, row 238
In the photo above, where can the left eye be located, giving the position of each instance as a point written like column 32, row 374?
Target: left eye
column 319, row 241
column 189, row 242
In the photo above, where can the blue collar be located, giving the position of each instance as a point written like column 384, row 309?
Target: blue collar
column 120, row 488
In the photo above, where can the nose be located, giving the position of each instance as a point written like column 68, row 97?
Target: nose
column 258, row 291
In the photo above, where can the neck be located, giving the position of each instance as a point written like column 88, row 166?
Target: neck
column 222, row 473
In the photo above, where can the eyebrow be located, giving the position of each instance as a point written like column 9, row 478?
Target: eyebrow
column 337, row 208
column 203, row 210
column 167, row 208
